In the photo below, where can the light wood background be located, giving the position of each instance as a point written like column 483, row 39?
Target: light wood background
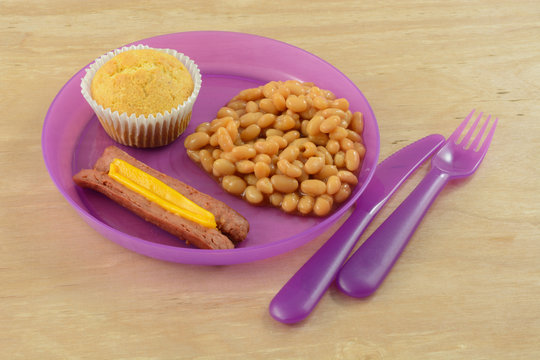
column 468, row 284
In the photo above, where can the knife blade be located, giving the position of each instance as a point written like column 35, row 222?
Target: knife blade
column 299, row 296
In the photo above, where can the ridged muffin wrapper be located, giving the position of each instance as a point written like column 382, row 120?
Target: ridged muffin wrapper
column 143, row 131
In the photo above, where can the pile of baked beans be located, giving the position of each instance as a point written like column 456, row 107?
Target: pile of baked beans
column 289, row 144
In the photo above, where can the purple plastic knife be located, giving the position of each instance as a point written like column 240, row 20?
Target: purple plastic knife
column 296, row 300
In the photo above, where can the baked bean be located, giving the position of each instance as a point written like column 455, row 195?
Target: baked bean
column 361, row 149
column 341, row 104
column 227, row 111
column 328, row 94
column 269, row 88
column 326, row 172
column 206, row 160
column 313, row 165
column 290, row 153
column 299, row 142
column 263, row 157
column 261, row 169
column 250, row 133
column 290, row 136
column 314, row 125
column 322, row 206
column 221, row 122
column 252, row 107
column 193, row 155
column 319, row 139
column 251, row 179
column 313, row 187
column 251, row 94
column 346, row 144
column 241, row 112
column 299, row 164
column 224, row 139
column 352, row 160
column 354, row 136
column 245, row 166
column 347, row 177
column 228, row 156
column 203, row 127
column 284, row 123
column 273, row 132
column 309, row 113
column 320, row 102
column 296, row 103
column 243, row 152
column 267, row 105
column 305, row 204
column 222, row 167
column 249, row 118
column 284, row 183
column 213, row 140
column 303, row 127
column 233, row 184
column 253, row 195
column 196, row 141
column 237, row 105
column 289, row 169
column 283, row 90
column 309, row 149
column 266, row 120
column 216, row 153
column 343, row 193
column 333, row 184
column 282, row 143
column 232, row 129
column 357, row 122
column 266, row 147
column 328, row 159
column 275, row 199
column 329, row 124
column 289, row 202
column 315, row 91
column 331, row 111
column 339, row 159
column 332, row 146
column 295, row 87
column 279, row 101
column 338, row 134
column 265, row 185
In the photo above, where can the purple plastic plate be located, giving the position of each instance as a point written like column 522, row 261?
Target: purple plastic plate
column 73, row 139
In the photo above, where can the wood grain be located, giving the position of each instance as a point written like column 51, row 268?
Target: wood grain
column 467, row 286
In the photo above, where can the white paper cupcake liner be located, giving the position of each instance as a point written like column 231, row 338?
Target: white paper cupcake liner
column 143, row 131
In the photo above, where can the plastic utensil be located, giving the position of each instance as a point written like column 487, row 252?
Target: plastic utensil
column 368, row 266
column 303, row 291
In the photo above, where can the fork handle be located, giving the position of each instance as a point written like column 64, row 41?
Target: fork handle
column 368, row 266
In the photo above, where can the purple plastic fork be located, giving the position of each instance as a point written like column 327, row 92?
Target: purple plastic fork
column 368, row 266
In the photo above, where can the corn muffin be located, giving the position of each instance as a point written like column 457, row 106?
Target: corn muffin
column 143, row 97
column 142, row 82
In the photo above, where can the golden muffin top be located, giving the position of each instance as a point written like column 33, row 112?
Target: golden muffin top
column 142, row 82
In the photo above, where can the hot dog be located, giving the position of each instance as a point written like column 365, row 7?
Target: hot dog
column 231, row 226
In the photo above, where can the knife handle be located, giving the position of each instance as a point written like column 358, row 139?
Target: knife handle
column 366, row 269
column 302, row 292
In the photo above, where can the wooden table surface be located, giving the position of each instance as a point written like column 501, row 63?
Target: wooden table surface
column 466, row 287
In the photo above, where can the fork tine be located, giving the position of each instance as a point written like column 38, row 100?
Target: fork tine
column 469, row 134
column 455, row 135
column 489, row 136
column 478, row 137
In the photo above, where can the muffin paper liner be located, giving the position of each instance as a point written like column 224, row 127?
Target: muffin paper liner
column 143, row 131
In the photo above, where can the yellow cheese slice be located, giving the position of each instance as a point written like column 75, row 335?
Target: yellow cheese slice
column 158, row 192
